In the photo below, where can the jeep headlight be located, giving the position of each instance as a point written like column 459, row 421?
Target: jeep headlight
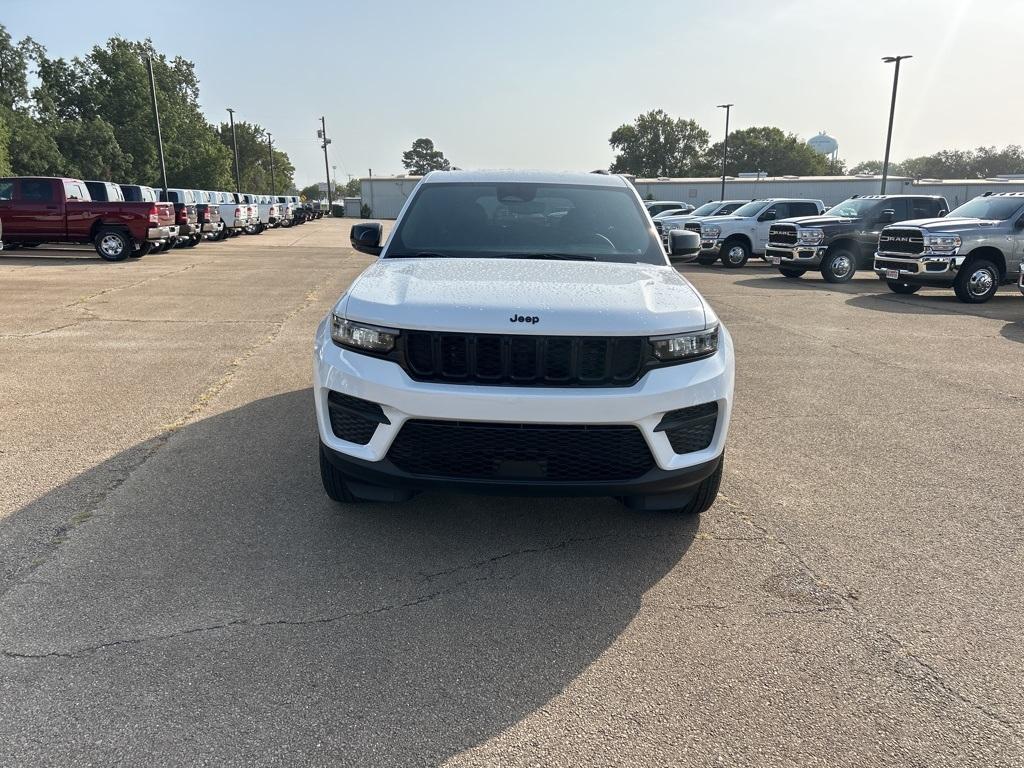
column 686, row 346
column 940, row 242
column 368, row 338
column 810, row 236
column 710, row 231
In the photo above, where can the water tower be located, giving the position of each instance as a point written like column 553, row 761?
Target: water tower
column 824, row 144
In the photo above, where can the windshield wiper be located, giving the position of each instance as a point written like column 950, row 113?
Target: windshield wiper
column 550, row 256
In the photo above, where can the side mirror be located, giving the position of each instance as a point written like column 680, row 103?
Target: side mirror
column 683, row 245
column 767, row 216
column 887, row 216
column 366, row 238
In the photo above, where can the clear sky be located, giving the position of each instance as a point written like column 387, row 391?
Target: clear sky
column 542, row 83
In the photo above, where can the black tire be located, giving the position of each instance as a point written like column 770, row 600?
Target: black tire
column 706, row 260
column 735, row 254
column 334, row 481
column 899, row 286
column 839, row 266
column 30, row 245
column 142, row 250
column 977, row 281
column 705, row 494
column 190, row 242
column 113, row 244
column 793, row 273
column 12, row 246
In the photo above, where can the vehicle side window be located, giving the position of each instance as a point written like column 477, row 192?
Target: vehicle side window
column 924, row 208
column 6, row 190
column 901, row 206
column 778, row 210
column 803, row 209
column 37, row 191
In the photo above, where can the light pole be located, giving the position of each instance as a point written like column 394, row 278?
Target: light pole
column 892, row 112
column 234, row 143
column 327, row 163
column 273, row 181
column 156, row 119
column 725, row 145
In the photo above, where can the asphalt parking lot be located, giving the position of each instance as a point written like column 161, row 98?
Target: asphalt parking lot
column 177, row 590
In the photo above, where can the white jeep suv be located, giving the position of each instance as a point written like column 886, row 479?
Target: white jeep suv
column 523, row 333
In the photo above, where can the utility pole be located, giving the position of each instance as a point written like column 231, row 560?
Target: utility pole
column 156, row 119
column 273, row 182
column 892, row 112
column 234, row 143
column 322, row 133
column 725, row 145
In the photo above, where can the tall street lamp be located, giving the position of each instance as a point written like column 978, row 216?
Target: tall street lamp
column 725, row 146
column 892, row 112
column 234, row 143
column 273, row 181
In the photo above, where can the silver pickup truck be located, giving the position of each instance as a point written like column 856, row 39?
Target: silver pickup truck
column 973, row 249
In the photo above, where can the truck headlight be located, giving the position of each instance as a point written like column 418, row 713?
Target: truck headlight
column 810, row 236
column 711, row 231
column 940, row 242
column 686, row 346
column 367, row 338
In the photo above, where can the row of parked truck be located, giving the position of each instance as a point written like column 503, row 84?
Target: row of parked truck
column 909, row 241
column 130, row 220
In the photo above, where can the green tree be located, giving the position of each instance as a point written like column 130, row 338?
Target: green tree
column 351, row 188
column 766, row 149
column 13, row 71
column 423, row 158
column 312, row 192
column 254, row 159
column 5, row 145
column 91, row 151
column 658, row 145
column 33, row 151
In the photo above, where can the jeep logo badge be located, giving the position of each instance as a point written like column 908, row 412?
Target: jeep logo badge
column 524, row 319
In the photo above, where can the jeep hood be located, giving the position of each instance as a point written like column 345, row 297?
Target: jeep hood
column 568, row 297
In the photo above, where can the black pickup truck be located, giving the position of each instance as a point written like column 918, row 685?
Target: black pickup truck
column 845, row 238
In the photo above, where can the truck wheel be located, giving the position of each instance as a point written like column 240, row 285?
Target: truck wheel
column 839, row 266
column 976, row 282
column 113, row 245
column 142, row 250
column 899, row 286
column 190, row 242
column 792, row 272
column 706, row 260
column 735, row 253
column 30, row 245
column 333, row 481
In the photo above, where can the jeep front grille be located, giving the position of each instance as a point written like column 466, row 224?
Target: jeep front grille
column 515, row 360
column 527, row 452
column 782, row 234
column 906, row 241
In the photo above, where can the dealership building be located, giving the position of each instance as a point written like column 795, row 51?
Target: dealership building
column 385, row 195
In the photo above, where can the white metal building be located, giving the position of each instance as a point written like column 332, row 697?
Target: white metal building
column 385, row 195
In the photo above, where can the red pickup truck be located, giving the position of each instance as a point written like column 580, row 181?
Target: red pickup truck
column 36, row 210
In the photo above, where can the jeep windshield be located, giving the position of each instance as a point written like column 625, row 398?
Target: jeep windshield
column 992, row 208
column 852, row 209
column 526, row 220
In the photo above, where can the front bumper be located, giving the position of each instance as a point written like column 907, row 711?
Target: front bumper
column 930, row 269
column 155, row 234
column 643, row 405
column 796, row 255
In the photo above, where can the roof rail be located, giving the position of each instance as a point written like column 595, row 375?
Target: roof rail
column 987, row 193
column 855, row 197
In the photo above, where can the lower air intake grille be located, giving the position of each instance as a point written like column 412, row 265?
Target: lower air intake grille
column 690, row 429
column 352, row 419
column 494, row 451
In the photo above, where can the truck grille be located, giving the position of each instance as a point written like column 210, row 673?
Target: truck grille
column 906, row 241
column 782, row 234
column 493, row 451
column 692, row 227
column 905, row 266
column 590, row 361
column 657, row 226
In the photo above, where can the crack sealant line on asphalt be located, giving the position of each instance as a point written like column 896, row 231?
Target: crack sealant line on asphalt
column 851, row 609
column 153, row 445
column 888, row 362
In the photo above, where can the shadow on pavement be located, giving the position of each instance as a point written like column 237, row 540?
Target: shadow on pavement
column 218, row 605
column 813, row 282
column 1007, row 305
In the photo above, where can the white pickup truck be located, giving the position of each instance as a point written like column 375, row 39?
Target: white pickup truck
column 666, row 223
column 496, row 348
column 744, row 232
column 234, row 214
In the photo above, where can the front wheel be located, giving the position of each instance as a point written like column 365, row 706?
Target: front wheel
column 706, row 259
column 900, row 286
column 792, row 272
column 112, row 245
column 735, row 254
column 334, row 481
column 839, row 266
column 976, row 282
